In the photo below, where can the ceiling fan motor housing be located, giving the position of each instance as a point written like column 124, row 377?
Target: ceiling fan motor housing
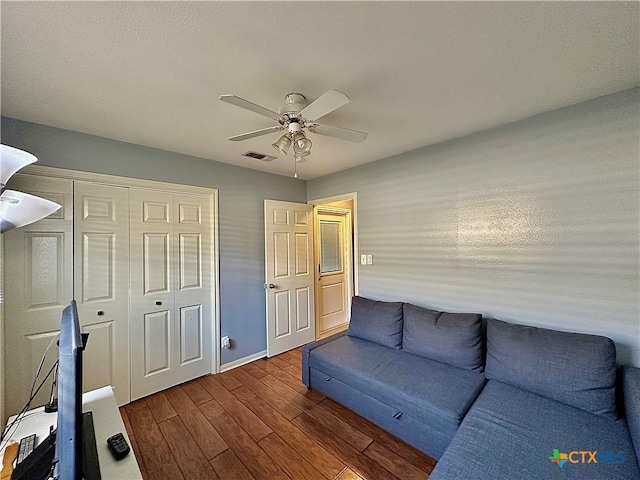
column 293, row 103
column 294, row 125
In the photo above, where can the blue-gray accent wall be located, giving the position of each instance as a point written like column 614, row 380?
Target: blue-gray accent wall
column 535, row 222
column 241, row 195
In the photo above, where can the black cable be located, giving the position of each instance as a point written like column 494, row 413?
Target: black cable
column 44, row 356
column 21, row 415
column 32, row 395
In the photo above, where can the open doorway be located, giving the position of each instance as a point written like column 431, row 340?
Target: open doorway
column 336, row 272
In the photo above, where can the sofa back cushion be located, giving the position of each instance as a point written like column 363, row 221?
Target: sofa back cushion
column 378, row 322
column 631, row 387
column 453, row 338
column 573, row 368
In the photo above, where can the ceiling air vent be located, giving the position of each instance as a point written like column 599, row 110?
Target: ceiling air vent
column 258, row 156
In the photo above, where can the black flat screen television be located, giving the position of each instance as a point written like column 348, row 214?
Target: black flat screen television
column 68, row 452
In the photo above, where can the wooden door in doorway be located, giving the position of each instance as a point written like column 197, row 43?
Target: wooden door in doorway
column 334, row 277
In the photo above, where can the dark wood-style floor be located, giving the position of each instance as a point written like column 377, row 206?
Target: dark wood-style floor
column 259, row 422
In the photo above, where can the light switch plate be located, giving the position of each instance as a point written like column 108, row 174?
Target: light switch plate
column 369, row 259
column 363, row 259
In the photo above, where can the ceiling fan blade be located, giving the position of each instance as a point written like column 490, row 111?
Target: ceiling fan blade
column 339, row 132
column 18, row 209
column 255, row 133
column 246, row 104
column 327, row 103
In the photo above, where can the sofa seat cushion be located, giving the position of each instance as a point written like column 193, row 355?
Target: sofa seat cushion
column 511, row 433
column 414, row 432
column 429, row 391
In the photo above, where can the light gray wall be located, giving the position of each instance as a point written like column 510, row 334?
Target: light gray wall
column 241, row 194
column 536, row 222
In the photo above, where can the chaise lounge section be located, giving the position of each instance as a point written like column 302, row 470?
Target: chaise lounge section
column 543, row 404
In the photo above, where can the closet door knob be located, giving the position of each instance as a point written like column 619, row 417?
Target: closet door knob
column 158, row 303
column 100, row 313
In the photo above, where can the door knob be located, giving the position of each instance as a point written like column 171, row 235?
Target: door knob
column 100, row 313
column 158, row 303
column 271, row 285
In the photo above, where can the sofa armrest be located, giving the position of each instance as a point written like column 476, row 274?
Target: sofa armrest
column 306, row 350
column 631, row 387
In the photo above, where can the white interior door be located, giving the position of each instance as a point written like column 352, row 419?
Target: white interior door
column 334, row 278
column 38, row 261
column 171, row 278
column 101, row 231
column 289, row 275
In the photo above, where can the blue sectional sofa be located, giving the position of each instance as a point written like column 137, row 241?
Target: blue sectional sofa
column 489, row 400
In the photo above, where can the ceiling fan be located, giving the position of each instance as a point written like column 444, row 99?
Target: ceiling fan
column 18, row 209
column 295, row 116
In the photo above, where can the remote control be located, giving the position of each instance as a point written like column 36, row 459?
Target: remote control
column 118, row 446
column 27, row 444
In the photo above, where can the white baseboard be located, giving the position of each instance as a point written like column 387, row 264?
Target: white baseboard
column 243, row 361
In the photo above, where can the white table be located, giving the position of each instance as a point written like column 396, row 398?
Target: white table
column 106, row 422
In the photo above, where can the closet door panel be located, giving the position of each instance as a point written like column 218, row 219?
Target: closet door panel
column 191, row 330
column 100, row 362
column 156, row 342
column 101, row 239
column 156, row 257
column 37, row 286
column 154, row 346
column 193, row 287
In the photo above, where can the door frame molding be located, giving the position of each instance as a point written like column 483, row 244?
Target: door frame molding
column 354, row 216
column 115, row 180
column 3, row 418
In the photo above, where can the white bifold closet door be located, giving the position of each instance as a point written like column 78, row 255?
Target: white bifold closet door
column 81, row 252
column 101, row 265
column 139, row 264
column 171, row 295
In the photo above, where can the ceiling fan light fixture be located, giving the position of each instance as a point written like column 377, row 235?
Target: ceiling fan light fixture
column 283, row 144
column 18, row 209
column 301, row 144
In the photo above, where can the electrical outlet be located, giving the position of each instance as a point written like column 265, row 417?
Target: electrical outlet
column 226, row 343
column 363, row 259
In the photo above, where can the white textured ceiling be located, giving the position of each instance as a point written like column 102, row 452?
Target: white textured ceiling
column 417, row 72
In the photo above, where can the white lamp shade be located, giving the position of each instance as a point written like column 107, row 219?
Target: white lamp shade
column 283, row 144
column 18, row 209
column 301, row 144
column 12, row 160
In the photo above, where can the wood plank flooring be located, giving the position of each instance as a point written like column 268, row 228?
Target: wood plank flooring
column 259, row 422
